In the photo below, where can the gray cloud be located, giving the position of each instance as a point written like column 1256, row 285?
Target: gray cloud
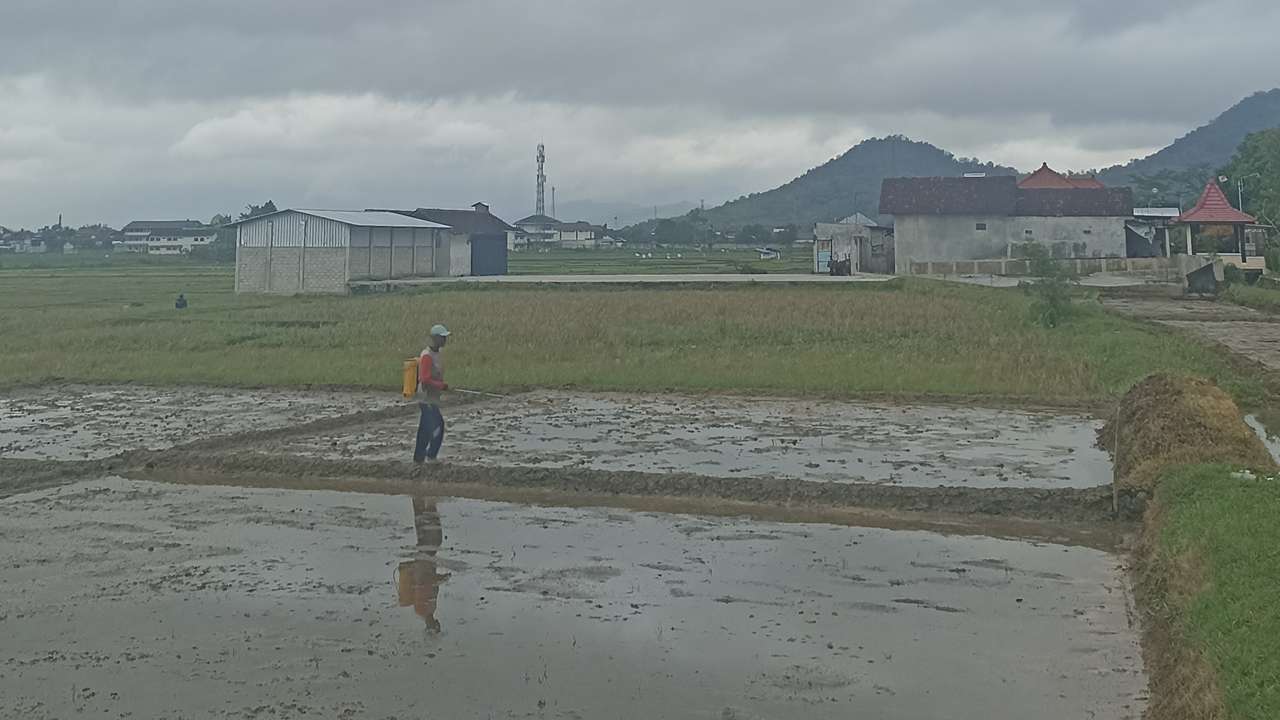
column 343, row 103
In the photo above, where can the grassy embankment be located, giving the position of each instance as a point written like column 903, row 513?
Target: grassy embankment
column 921, row 339
column 1215, row 564
column 1258, row 298
column 1208, row 562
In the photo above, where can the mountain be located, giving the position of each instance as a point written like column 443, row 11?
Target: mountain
column 851, row 182
column 1209, row 146
column 846, row 184
column 617, row 214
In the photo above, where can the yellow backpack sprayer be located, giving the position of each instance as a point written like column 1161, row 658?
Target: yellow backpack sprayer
column 409, row 382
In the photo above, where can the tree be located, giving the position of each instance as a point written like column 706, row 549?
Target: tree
column 1170, row 187
column 220, row 219
column 252, row 210
column 1257, row 164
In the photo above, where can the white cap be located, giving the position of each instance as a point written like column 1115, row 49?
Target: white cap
column 439, row 331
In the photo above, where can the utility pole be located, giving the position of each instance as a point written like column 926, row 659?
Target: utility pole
column 1240, row 189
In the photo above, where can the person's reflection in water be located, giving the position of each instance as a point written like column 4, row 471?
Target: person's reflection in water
column 419, row 579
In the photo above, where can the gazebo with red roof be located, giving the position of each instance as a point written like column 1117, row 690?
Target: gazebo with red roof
column 1211, row 216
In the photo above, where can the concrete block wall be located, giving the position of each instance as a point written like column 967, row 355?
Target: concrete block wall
column 380, row 258
column 423, row 250
column 359, row 263
column 251, row 270
column 402, row 261
column 1172, row 269
column 325, row 270
column 284, row 270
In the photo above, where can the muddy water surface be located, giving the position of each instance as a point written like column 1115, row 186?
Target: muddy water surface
column 915, row 445
column 128, row 598
column 81, row 422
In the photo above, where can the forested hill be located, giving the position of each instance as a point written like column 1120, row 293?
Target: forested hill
column 1208, row 146
column 844, row 185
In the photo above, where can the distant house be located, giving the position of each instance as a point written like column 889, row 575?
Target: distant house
column 1046, row 178
column 865, row 243
column 978, row 218
column 165, row 237
column 321, row 251
column 546, row 231
column 536, row 230
column 477, row 241
column 579, row 235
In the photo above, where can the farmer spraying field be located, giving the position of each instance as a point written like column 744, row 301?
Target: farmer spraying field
column 430, row 384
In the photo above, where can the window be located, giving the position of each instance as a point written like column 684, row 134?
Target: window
column 980, row 226
column 1088, row 232
column 1028, row 233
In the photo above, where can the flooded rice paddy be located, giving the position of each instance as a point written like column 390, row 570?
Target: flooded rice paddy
column 126, row 598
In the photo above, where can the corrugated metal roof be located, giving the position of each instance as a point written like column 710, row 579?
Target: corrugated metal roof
column 359, row 218
column 372, row 218
column 1168, row 212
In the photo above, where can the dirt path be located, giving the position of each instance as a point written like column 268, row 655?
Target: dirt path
column 1247, row 332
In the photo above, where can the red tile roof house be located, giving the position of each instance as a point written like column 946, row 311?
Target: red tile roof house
column 941, row 219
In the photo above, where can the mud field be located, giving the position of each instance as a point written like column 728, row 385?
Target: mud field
column 908, row 445
column 84, row 422
column 1242, row 330
column 136, row 599
column 220, row 578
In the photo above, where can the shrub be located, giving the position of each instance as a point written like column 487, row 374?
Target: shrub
column 1052, row 287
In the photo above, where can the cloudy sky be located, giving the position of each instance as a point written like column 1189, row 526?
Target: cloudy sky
column 168, row 108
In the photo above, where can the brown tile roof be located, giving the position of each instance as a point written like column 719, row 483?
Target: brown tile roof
column 1075, row 202
column 993, row 195
column 1213, row 207
column 1086, row 182
column 469, row 222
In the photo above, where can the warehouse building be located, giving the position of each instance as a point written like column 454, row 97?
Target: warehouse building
column 477, row 240
column 321, row 251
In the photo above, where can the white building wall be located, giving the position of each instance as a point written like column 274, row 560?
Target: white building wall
column 459, row 254
column 933, row 238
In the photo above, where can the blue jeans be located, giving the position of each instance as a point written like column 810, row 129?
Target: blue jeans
column 430, row 433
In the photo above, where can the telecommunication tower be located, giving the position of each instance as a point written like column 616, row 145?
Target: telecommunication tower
column 542, row 180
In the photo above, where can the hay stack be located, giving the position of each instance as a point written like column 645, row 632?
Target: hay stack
column 1169, row 420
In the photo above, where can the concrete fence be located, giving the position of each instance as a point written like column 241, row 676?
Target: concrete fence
column 1169, row 269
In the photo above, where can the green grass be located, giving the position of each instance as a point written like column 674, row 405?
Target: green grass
column 926, row 338
column 682, row 260
column 1228, row 528
column 1259, row 298
column 95, row 259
